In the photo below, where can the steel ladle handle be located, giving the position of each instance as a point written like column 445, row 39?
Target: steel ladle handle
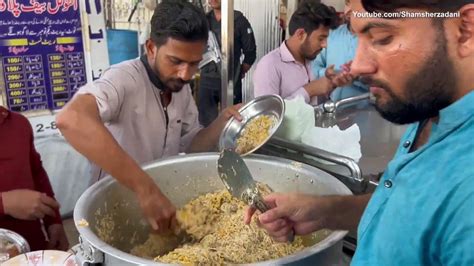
column 259, row 204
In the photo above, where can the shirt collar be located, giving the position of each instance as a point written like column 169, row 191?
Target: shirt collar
column 457, row 113
column 151, row 75
column 285, row 53
column 4, row 113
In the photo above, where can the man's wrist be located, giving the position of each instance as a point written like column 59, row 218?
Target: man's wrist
column 141, row 182
column 330, row 86
column 320, row 87
column 334, row 208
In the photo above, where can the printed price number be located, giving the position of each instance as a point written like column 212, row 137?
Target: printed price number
column 40, row 127
column 59, row 88
column 56, row 58
column 58, row 73
column 10, row 69
column 59, row 104
column 16, row 93
column 18, row 101
column 59, row 81
column 14, row 77
column 14, row 60
column 57, row 65
column 16, row 85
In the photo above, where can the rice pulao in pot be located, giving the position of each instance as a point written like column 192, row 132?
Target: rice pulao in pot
column 110, row 221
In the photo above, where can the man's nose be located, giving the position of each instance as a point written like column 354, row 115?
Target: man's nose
column 186, row 72
column 324, row 43
column 363, row 62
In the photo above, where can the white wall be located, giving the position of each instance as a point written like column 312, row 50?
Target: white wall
column 337, row 4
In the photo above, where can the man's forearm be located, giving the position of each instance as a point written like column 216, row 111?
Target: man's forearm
column 205, row 140
column 346, row 211
column 319, row 87
column 86, row 133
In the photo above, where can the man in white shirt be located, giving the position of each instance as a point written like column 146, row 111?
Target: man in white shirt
column 147, row 108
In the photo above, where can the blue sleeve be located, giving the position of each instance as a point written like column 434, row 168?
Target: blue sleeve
column 457, row 244
column 319, row 64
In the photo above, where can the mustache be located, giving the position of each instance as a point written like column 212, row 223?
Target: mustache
column 371, row 82
column 180, row 81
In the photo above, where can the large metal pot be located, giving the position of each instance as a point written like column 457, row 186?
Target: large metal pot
column 111, row 211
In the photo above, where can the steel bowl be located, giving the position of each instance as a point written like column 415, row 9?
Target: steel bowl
column 17, row 240
column 271, row 105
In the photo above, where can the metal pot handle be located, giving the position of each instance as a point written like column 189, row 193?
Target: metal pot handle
column 350, row 164
column 86, row 254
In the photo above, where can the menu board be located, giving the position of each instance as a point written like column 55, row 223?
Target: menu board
column 42, row 53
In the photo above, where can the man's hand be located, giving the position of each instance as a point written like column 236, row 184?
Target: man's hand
column 319, row 87
column 305, row 214
column 244, row 69
column 228, row 113
column 207, row 138
column 219, row 123
column 157, row 208
column 57, row 238
column 342, row 78
column 25, row 204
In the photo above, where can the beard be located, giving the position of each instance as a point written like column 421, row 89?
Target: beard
column 175, row 85
column 306, row 51
column 172, row 84
column 426, row 92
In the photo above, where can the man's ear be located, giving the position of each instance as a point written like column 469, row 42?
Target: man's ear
column 466, row 38
column 150, row 48
column 300, row 34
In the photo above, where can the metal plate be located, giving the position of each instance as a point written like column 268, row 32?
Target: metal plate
column 271, row 105
column 43, row 258
column 15, row 239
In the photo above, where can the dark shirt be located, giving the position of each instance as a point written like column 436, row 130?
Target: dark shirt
column 21, row 168
column 244, row 43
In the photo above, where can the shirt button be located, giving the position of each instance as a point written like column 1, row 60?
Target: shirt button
column 388, row 183
column 406, row 144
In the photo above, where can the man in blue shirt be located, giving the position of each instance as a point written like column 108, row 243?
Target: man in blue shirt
column 336, row 58
column 421, row 72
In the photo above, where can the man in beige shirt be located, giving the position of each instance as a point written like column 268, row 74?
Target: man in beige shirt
column 147, row 108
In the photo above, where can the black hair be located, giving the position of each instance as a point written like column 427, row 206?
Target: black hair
column 310, row 15
column 180, row 20
column 430, row 5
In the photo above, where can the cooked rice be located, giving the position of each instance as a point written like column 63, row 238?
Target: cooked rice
column 254, row 133
column 215, row 222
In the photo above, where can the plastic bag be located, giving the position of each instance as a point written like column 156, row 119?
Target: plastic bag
column 298, row 117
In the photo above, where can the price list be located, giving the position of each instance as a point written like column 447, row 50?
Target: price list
column 25, row 83
column 67, row 74
column 41, row 53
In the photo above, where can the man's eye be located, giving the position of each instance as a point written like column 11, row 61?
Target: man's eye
column 175, row 61
column 383, row 41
